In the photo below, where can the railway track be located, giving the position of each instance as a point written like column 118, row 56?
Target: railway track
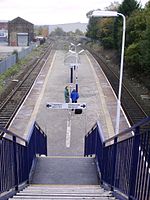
column 10, row 106
column 132, row 108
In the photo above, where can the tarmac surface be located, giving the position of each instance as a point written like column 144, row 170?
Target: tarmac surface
column 65, row 129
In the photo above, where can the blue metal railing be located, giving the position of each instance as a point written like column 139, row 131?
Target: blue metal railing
column 123, row 160
column 17, row 156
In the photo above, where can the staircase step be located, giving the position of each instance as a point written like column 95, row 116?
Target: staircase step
column 65, row 188
column 60, row 198
column 81, row 191
column 64, row 192
column 49, row 186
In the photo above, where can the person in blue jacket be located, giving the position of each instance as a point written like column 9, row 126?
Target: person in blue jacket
column 74, row 96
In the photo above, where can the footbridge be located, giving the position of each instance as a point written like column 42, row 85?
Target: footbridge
column 50, row 151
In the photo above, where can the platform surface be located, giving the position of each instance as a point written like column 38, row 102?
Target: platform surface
column 64, row 128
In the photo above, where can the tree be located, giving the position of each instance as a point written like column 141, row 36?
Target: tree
column 58, row 32
column 105, row 32
column 137, row 45
column 78, row 32
column 145, row 45
column 113, row 6
column 136, row 25
column 137, row 53
column 102, row 29
column 128, row 6
column 92, row 28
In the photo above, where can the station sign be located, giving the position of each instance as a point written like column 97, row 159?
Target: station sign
column 67, row 106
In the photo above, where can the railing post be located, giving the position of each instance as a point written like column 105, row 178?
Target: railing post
column 46, row 145
column 114, row 163
column 134, row 161
column 85, row 146
column 102, row 165
column 15, row 163
column 96, row 137
column 27, row 152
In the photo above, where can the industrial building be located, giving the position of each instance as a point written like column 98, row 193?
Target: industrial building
column 20, row 32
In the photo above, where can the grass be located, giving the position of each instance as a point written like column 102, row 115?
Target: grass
column 9, row 73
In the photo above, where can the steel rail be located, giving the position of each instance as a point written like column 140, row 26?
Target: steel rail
column 10, row 106
column 131, row 106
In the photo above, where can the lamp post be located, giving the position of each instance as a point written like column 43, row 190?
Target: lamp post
column 76, row 62
column 98, row 13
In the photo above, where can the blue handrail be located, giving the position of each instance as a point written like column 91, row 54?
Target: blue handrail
column 123, row 160
column 17, row 156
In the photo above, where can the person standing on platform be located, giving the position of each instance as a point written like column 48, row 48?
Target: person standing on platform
column 66, row 94
column 74, row 96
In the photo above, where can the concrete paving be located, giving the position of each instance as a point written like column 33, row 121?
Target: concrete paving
column 65, row 129
column 64, row 170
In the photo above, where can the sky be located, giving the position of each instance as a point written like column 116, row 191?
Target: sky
column 47, row 12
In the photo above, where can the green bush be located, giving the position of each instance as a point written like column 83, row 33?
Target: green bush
column 133, row 58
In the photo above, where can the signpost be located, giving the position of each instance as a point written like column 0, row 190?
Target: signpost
column 67, row 106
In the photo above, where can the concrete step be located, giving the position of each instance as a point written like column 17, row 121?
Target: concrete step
column 64, row 192
column 65, row 170
column 64, row 198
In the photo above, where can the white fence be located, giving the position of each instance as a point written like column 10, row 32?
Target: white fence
column 11, row 60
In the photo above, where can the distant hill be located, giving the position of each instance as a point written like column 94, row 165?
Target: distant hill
column 69, row 27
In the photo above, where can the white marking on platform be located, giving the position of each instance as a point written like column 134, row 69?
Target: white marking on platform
column 68, row 133
column 39, row 100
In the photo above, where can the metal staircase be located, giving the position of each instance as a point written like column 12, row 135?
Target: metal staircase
column 64, row 178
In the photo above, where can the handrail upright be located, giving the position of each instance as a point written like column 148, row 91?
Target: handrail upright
column 114, row 163
column 15, row 163
column 133, row 171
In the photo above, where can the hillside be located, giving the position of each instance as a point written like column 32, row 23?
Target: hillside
column 69, row 27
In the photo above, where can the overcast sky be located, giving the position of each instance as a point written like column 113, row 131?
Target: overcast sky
column 51, row 11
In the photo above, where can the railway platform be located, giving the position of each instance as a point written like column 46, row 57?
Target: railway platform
column 65, row 129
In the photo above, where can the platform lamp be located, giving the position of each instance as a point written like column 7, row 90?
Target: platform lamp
column 99, row 13
column 75, row 46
